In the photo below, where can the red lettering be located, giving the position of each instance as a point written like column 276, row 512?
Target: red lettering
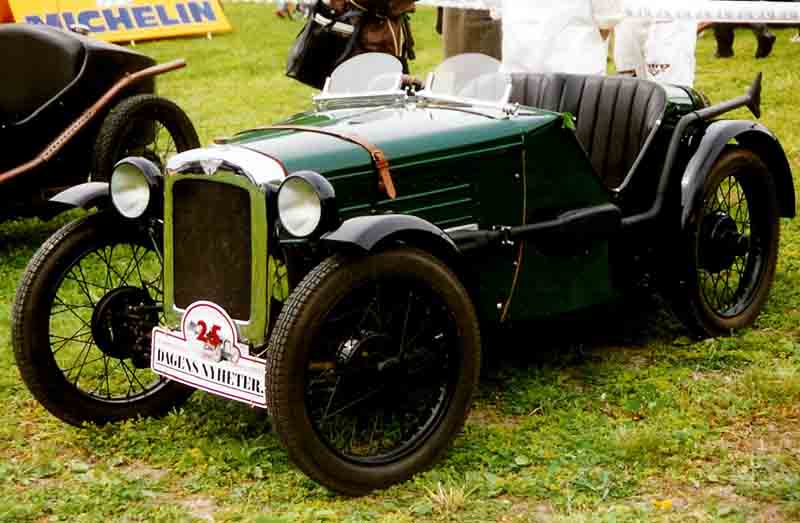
column 212, row 338
column 203, row 330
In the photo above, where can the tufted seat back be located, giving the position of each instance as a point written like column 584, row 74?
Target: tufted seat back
column 614, row 115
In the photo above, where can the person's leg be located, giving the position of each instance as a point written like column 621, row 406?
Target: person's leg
column 629, row 48
column 670, row 52
column 724, row 34
column 766, row 40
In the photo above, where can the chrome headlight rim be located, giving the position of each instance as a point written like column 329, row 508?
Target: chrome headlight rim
column 135, row 187
column 306, row 205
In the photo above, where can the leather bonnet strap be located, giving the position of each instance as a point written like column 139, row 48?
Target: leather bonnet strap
column 385, row 183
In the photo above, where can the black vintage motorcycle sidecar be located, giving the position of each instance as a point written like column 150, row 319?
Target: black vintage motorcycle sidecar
column 70, row 107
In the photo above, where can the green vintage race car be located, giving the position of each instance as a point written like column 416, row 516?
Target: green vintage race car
column 337, row 269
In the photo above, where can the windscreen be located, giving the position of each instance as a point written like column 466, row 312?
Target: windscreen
column 471, row 75
column 366, row 73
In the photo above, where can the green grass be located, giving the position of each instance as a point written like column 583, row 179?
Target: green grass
column 588, row 422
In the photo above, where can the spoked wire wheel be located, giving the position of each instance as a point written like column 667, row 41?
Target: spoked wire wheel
column 82, row 321
column 142, row 125
column 382, row 338
column 372, row 366
column 735, row 244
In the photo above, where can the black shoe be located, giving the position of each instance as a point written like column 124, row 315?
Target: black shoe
column 724, row 53
column 765, row 44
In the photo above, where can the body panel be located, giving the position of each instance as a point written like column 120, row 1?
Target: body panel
column 457, row 167
column 556, row 277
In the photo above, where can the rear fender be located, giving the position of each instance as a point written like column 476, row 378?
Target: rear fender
column 749, row 135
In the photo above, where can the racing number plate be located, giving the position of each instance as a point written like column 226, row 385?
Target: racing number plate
column 206, row 354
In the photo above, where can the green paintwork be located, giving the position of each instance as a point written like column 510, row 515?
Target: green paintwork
column 254, row 331
column 407, row 136
column 560, row 277
column 453, row 167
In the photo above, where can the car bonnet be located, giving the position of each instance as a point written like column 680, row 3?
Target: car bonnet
column 405, row 134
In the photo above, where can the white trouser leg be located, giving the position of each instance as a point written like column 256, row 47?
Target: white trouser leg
column 658, row 51
column 670, row 52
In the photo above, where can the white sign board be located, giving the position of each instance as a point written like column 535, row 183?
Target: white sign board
column 206, row 354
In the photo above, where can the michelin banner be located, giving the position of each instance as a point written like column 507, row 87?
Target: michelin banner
column 126, row 20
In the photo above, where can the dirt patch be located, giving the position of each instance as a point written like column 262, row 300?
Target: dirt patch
column 777, row 432
column 488, row 416
column 200, row 507
column 145, row 472
column 528, row 511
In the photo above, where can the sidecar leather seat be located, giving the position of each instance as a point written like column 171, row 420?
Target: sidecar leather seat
column 615, row 115
column 39, row 63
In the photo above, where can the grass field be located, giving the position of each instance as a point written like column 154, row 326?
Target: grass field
column 577, row 422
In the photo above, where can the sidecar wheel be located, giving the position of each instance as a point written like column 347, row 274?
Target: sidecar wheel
column 142, row 125
column 732, row 247
column 371, row 368
column 82, row 320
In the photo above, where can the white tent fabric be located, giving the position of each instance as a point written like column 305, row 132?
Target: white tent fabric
column 699, row 10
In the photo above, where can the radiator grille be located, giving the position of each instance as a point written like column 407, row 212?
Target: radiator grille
column 211, row 245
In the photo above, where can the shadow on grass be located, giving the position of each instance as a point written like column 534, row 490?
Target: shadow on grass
column 580, row 337
column 23, row 235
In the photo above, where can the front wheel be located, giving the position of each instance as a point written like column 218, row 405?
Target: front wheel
column 372, row 366
column 731, row 246
column 83, row 315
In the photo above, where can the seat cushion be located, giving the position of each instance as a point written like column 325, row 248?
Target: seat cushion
column 38, row 63
column 614, row 115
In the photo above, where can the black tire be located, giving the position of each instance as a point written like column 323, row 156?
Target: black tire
column 429, row 388
column 79, row 287
column 142, row 125
column 731, row 247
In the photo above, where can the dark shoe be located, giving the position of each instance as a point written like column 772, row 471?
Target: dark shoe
column 765, row 44
column 724, row 53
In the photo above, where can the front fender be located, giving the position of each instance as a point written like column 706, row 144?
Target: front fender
column 749, row 135
column 371, row 233
column 85, row 195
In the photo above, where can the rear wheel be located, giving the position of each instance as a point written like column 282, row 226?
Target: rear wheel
column 142, row 125
column 372, row 366
column 732, row 246
column 82, row 320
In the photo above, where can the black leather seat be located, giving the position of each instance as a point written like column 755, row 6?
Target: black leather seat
column 38, row 63
column 615, row 115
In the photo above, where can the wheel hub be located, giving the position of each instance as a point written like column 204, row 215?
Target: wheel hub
column 361, row 351
column 121, row 324
column 724, row 243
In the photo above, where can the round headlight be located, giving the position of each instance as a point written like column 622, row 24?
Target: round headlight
column 133, row 184
column 299, row 207
column 307, row 205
